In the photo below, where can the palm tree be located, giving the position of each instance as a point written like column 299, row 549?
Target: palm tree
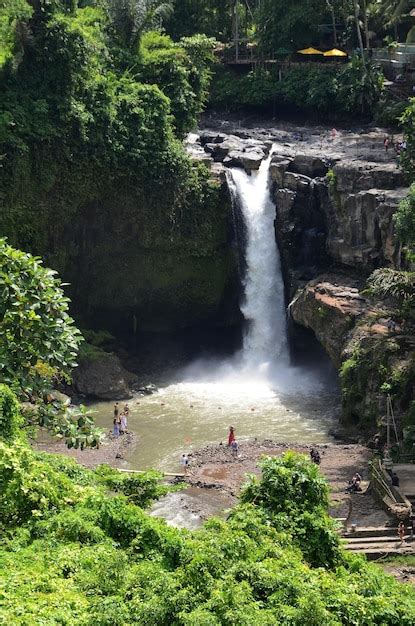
column 132, row 17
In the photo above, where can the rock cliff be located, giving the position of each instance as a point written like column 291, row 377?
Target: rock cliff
column 335, row 195
column 336, row 211
column 370, row 344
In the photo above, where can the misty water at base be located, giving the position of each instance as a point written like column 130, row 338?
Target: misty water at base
column 258, row 390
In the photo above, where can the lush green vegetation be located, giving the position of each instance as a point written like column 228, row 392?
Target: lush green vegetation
column 277, row 26
column 324, row 90
column 78, row 548
column 95, row 99
column 90, row 128
column 38, row 348
column 38, row 339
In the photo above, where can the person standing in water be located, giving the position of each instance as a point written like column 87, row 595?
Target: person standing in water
column 231, row 436
column 116, row 427
column 123, row 427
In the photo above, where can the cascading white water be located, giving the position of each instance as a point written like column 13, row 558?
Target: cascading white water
column 265, row 339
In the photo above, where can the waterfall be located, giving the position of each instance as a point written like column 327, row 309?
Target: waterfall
column 263, row 305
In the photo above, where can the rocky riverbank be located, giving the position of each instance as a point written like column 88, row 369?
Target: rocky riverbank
column 214, row 467
column 111, row 452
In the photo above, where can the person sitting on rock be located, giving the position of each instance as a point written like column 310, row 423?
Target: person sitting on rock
column 354, row 484
column 315, row 456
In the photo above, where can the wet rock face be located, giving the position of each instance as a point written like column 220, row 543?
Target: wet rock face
column 335, row 211
column 329, row 306
column 103, row 377
column 360, row 205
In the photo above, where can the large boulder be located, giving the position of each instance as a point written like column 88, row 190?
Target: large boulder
column 309, row 165
column 329, row 306
column 101, row 376
column 249, row 159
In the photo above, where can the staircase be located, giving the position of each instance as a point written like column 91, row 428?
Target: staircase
column 376, row 542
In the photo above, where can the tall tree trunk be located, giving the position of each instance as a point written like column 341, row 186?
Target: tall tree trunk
column 330, row 6
column 236, row 15
column 366, row 24
column 359, row 32
column 333, row 19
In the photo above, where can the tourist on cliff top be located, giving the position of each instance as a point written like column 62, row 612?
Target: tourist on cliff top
column 231, row 436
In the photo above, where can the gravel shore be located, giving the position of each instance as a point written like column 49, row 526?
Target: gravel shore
column 111, row 451
column 216, row 467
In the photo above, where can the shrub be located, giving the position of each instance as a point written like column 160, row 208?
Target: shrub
column 388, row 283
column 288, row 484
column 405, row 218
column 10, row 418
column 29, row 488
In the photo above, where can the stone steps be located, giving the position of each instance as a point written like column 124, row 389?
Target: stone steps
column 374, row 531
column 351, row 541
column 376, row 542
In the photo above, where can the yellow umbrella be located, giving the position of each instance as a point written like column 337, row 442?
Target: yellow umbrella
column 335, row 53
column 310, row 51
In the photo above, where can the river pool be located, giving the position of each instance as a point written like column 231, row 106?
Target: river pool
column 196, row 409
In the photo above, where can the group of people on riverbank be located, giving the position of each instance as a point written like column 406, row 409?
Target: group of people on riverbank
column 120, row 420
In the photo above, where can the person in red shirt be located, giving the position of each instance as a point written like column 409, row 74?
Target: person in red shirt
column 231, row 436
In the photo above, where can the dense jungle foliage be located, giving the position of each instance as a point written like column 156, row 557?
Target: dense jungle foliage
column 83, row 105
column 93, row 107
column 326, row 91
column 79, row 548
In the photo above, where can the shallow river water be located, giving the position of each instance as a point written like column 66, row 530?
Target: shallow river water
column 183, row 416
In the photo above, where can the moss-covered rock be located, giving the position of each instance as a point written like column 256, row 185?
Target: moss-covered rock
column 140, row 255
